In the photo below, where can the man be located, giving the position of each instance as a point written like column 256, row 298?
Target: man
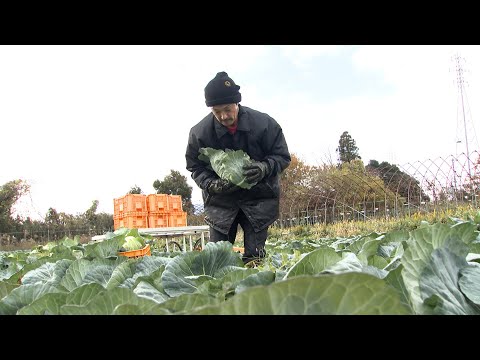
column 237, row 127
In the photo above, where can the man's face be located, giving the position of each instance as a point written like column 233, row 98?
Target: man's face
column 226, row 114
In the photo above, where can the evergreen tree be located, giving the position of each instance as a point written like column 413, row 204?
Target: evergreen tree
column 347, row 149
column 176, row 184
column 135, row 190
column 90, row 214
column 398, row 181
column 10, row 192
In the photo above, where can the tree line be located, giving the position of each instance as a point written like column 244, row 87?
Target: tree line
column 345, row 183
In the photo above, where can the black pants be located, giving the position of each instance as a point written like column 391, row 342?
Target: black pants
column 254, row 243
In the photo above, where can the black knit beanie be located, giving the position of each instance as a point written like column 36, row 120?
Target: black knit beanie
column 222, row 90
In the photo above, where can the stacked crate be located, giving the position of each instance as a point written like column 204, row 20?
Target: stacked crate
column 148, row 211
column 165, row 211
column 130, row 211
column 157, row 205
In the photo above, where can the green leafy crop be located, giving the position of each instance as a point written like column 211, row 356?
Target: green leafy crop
column 227, row 164
column 132, row 243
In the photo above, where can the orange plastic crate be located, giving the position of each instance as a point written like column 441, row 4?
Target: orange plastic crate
column 137, row 253
column 157, row 219
column 131, row 220
column 130, row 203
column 175, row 203
column 157, row 203
column 177, row 218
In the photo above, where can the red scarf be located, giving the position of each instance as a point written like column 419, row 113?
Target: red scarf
column 233, row 129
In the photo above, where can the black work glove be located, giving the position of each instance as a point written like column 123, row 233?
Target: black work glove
column 256, row 171
column 221, row 186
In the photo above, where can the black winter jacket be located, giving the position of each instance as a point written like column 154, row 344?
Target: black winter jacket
column 261, row 137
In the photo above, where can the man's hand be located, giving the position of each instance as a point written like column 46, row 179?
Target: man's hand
column 221, row 186
column 255, row 172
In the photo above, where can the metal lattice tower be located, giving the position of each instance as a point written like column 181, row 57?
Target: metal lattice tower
column 466, row 138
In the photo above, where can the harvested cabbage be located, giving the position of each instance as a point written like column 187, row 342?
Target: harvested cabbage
column 227, row 164
column 132, row 243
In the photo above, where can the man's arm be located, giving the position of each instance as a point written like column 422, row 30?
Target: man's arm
column 278, row 156
column 199, row 169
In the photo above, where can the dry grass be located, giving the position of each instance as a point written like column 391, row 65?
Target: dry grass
column 28, row 244
column 350, row 228
column 22, row 245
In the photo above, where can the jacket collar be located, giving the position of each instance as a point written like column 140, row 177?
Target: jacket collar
column 243, row 124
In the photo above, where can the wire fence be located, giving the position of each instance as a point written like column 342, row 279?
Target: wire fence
column 382, row 191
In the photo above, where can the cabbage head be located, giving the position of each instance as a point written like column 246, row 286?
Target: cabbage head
column 132, row 243
column 227, row 164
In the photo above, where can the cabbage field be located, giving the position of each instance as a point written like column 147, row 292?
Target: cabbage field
column 434, row 269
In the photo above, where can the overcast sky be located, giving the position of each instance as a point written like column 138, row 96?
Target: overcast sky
column 82, row 123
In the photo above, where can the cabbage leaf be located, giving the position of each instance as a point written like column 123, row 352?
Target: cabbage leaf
column 227, row 164
column 132, row 243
